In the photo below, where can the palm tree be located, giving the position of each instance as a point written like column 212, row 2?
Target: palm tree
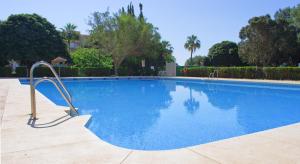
column 191, row 104
column 192, row 44
column 167, row 51
column 167, row 46
column 69, row 34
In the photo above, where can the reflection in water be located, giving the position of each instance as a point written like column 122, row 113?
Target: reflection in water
column 130, row 109
column 122, row 110
column 166, row 114
column 191, row 104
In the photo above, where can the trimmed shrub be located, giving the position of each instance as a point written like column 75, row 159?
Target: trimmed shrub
column 7, row 72
column 249, row 72
column 282, row 73
column 61, row 71
column 179, row 70
column 42, row 72
column 91, row 58
column 68, row 71
column 95, row 72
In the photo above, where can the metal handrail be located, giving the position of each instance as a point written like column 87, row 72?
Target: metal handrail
column 212, row 75
column 37, row 64
column 60, row 91
column 33, row 85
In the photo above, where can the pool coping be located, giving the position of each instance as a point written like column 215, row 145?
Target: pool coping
column 293, row 82
column 286, row 138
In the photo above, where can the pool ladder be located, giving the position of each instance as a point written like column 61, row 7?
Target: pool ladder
column 213, row 74
column 64, row 93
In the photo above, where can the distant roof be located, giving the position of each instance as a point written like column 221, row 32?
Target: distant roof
column 58, row 60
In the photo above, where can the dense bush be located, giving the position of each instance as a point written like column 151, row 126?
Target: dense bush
column 292, row 73
column 73, row 72
column 91, row 57
column 29, row 38
column 7, row 72
column 276, row 73
column 197, row 61
column 224, row 54
column 42, row 72
column 61, row 71
column 95, row 72
column 68, row 71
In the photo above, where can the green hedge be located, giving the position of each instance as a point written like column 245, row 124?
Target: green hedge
column 68, row 71
column 95, row 72
column 7, row 72
column 65, row 72
column 292, row 73
column 39, row 72
column 61, row 71
column 276, row 73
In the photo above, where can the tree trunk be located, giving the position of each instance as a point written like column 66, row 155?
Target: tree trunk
column 69, row 44
column 191, row 58
column 116, row 70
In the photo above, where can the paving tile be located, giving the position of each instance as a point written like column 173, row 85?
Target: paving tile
column 81, row 152
column 53, row 140
column 31, row 139
column 288, row 134
column 250, row 149
column 178, row 156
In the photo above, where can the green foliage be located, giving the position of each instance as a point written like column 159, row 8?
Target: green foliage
column 91, row 57
column 7, row 72
column 197, row 61
column 197, row 71
column 130, row 10
column 166, row 51
column 62, row 72
column 39, row 72
column 123, row 35
column 284, row 14
column 68, row 71
column 265, row 42
column 249, row 72
column 94, row 72
column 30, row 38
column 282, row 73
column 141, row 16
column 192, row 44
column 291, row 16
column 69, row 34
column 224, row 54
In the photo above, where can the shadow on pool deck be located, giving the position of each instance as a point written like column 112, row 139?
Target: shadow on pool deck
column 60, row 120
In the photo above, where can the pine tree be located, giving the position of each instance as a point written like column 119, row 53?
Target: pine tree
column 130, row 9
column 141, row 16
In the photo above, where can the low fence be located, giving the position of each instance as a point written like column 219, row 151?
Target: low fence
column 249, row 72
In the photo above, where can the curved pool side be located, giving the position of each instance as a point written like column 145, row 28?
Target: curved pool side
column 165, row 114
column 276, row 145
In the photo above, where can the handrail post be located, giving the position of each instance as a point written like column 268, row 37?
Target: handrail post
column 33, row 85
column 32, row 95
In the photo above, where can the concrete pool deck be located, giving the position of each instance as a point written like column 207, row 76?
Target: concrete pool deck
column 58, row 138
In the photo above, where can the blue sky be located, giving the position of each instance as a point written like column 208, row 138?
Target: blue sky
column 211, row 20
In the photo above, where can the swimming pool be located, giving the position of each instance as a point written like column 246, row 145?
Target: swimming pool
column 161, row 114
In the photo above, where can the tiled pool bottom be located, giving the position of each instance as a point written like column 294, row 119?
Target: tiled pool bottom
column 152, row 114
column 21, row 143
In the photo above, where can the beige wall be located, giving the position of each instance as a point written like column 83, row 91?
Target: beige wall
column 171, row 69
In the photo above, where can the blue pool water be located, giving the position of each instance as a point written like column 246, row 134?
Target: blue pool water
column 168, row 114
